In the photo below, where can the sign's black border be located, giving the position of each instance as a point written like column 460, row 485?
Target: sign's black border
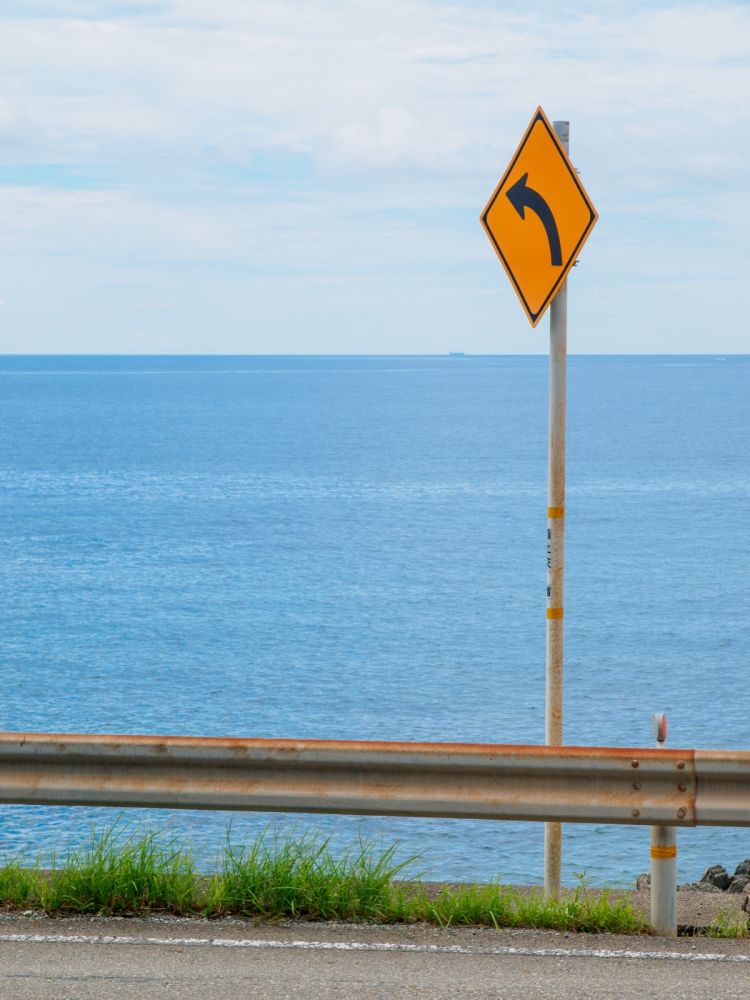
column 539, row 116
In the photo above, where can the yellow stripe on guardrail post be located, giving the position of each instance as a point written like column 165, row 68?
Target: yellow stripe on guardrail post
column 663, row 860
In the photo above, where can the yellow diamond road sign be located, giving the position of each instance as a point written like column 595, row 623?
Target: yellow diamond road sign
column 539, row 217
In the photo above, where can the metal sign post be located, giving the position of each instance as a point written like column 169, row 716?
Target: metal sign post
column 553, row 720
column 537, row 219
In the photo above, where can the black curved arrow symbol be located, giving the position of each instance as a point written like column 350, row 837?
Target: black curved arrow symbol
column 522, row 197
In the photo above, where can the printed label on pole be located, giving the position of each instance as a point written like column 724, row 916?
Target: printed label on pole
column 539, row 217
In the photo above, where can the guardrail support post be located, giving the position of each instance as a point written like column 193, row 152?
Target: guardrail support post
column 663, row 861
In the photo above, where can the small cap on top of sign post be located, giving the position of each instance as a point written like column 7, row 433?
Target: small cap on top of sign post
column 659, row 722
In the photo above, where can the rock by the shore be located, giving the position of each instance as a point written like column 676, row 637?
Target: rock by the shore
column 714, row 879
column 740, row 881
column 717, row 876
column 644, row 882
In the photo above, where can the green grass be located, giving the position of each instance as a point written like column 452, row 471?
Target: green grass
column 279, row 877
column 728, row 925
column 500, row 906
column 114, row 873
column 126, row 872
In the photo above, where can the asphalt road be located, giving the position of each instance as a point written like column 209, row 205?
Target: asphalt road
column 77, row 959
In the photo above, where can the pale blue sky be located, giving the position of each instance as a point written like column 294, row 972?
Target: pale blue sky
column 307, row 177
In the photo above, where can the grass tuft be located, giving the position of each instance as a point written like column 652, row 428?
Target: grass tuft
column 113, row 873
column 19, row 887
column 728, row 925
column 287, row 878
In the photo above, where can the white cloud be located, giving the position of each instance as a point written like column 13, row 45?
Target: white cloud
column 349, row 137
column 386, row 82
column 391, row 140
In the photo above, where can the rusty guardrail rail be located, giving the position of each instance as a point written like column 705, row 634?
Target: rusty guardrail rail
column 475, row 781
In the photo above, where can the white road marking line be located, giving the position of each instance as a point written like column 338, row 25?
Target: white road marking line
column 439, row 949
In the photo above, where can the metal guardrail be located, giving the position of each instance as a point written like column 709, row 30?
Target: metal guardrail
column 473, row 781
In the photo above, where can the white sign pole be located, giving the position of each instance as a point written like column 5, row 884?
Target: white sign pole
column 558, row 329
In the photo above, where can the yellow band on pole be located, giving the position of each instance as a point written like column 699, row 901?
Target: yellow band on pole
column 554, row 613
column 553, row 512
column 664, row 853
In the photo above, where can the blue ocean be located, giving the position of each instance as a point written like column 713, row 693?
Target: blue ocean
column 354, row 548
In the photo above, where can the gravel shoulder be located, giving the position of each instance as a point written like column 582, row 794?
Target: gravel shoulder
column 695, row 908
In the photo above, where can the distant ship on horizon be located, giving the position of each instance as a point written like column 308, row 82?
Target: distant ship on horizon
column 456, row 354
